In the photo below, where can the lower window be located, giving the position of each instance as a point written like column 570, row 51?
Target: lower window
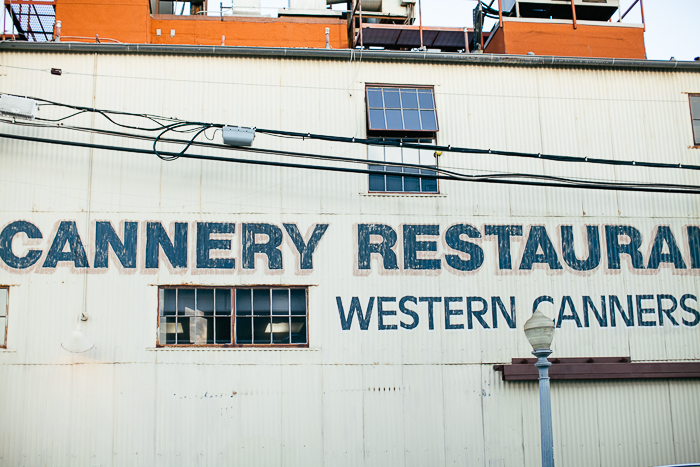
column 392, row 179
column 233, row 316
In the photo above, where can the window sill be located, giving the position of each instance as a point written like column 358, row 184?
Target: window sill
column 2, row 350
column 231, row 349
column 395, row 194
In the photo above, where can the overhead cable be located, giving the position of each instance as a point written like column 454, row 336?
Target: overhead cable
column 174, row 125
column 679, row 189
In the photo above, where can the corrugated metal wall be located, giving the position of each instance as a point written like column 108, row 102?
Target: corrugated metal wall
column 352, row 398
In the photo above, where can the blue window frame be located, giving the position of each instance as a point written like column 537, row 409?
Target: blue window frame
column 401, row 108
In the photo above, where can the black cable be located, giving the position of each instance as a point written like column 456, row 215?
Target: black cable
column 189, row 143
column 345, row 159
column 376, row 142
column 611, row 186
column 334, row 158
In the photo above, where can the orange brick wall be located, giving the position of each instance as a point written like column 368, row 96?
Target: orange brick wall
column 130, row 21
column 604, row 41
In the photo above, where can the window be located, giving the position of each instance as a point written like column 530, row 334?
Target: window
column 401, row 114
column 192, row 316
column 3, row 316
column 401, row 109
column 402, row 179
column 695, row 115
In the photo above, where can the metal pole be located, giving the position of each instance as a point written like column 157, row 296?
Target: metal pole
column 573, row 12
column 641, row 5
column 420, row 24
column 547, row 438
column 500, row 14
column 362, row 45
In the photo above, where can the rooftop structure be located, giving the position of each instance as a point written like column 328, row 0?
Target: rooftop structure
column 543, row 27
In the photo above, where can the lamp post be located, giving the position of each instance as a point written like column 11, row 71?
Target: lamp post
column 539, row 331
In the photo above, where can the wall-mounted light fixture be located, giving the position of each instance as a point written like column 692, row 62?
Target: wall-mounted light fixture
column 77, row 342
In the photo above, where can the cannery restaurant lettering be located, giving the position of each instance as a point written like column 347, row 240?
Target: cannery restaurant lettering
column 408, row 247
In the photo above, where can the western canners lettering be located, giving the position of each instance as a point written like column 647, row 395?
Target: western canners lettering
column 390, row 313
column 457, row 248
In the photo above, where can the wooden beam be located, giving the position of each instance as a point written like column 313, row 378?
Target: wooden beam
column 599, row 368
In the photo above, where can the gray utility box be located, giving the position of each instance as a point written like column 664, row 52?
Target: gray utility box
column 591, row 10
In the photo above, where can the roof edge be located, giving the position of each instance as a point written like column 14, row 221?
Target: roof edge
column 348, row 54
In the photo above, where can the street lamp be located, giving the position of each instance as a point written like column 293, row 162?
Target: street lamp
column 539, row 331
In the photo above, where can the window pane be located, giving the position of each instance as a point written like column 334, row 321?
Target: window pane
column 262, row 330
column 695, row 106
column 696, row 130
column 183, row 331
column 394, row 120
column 280, row 302
column 223, row 330
column 244, row 330
column 374, row 97
column 428, row 185
column 409, row 99
column 3, row 303
column 205, row 302
column 376, row 119
column 428, row 119
column 298, row 298
column 392, row 99
column 394, row 183
column 410, row 156
column 168, row 329
column 280, row 331
column 427, row 157
column 393, row 154
column 243, row 304
column 203, row 329
column 298, row 330
column 223, row 302
column 3, row 322
column 185, row 302
column 411, row 184
column 411, row 120
column 168, row 307
column 375, row 153
column 425, row 99
column 377, row 183
column 261, row 301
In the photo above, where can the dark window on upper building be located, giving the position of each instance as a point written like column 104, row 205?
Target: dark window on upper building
column 193, row 316
column 695, row 115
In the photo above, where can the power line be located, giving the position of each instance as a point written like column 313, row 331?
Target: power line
column 454, row 149
column 174, row 123
column 678, row 189
column 363, row 162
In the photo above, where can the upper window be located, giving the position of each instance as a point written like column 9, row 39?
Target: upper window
column 695, row 114
column 193, row 316
column 402, row 109
column 3, row 316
